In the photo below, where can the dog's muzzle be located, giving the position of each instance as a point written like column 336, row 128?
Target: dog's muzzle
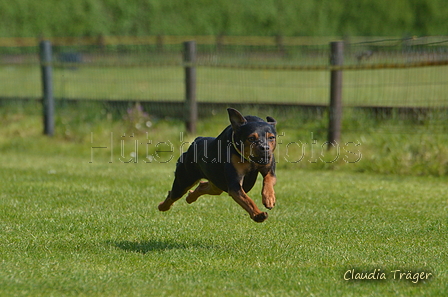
column 261, row 154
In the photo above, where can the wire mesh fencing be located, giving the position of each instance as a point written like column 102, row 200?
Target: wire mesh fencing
column 393, row 82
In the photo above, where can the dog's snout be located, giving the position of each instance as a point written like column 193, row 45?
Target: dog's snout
column 264, row 147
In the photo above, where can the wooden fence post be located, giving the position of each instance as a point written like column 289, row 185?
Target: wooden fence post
column 47, row 86
column 159, row 42
column 334, row 126
column 219, row 42
column 190, row 86
column 280, row 44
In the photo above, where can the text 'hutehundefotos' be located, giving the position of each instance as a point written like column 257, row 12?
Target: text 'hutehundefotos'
column 164, row 151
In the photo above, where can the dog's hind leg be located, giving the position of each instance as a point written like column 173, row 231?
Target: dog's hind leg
column 203, row 188
column 183, row 181
column 177, row 191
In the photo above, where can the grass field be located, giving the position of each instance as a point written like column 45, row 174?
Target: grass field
column 419, row 87
column 74, row 228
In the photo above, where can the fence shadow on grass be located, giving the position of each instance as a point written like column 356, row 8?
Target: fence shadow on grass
column 147, row 246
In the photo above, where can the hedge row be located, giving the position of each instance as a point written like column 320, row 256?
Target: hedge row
column 30, row 18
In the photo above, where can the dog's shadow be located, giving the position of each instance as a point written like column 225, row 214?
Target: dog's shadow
column 148, row 246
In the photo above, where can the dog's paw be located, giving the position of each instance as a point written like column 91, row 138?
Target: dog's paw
column 269, row 205
column 164, row 206
column 191, row 197
column 261, row 217
column 268, row 199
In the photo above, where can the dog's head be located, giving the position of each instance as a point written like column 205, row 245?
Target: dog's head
column 253, row 137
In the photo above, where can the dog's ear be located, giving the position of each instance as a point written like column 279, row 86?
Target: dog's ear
column 271, row 121
column 236, row 118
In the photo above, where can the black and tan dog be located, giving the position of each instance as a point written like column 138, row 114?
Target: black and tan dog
column 230, row 163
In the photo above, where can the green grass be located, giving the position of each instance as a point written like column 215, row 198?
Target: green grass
column 267, row 18
column 418, row 87
column 74, row 228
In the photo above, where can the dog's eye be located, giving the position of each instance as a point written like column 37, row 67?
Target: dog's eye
column 271, row 138
column 252, row 139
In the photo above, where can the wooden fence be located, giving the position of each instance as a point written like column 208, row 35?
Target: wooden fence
column 190, row 53
column 335, row 67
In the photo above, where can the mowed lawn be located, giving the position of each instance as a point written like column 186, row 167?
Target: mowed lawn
column 74, row 228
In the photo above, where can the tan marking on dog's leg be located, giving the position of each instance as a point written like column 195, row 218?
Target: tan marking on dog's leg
column 249, row 205
column 204, row 187
column 166, row 204
column 267, row 193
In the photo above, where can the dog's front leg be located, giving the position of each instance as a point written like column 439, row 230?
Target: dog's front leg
column 268, row 193
column 234, row 177
column 238, row 194
column 248, row 204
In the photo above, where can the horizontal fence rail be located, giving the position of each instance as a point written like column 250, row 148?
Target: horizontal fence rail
column 223, row 40
column 246, row 67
